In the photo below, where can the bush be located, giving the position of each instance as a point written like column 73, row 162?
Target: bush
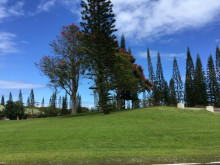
column 14, row 110
column 84, row 109
column 2, row 114
column 49, row 111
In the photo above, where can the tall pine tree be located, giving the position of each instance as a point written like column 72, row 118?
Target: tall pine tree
column 60, row 102
column 200, row 94
column 151, row 77
column 177, row 81
column 218, row 65
column 123, row 42
column 98, row 28
column 54, row 100
column 213, row 90
column 32, row 100
column 10, row 97
column 3, row 100
column 28, row 102
column 189, row 81
column 42, row 103
column 172, row 93
column 79, row 103
column 64, row 110
column 160, row 84
column 20, row 98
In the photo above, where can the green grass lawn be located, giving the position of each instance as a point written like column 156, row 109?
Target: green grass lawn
column 144, row 136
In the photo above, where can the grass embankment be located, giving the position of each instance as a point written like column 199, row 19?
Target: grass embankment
column 145, row 136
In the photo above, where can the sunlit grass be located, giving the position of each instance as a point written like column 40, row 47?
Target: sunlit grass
column 159, row 134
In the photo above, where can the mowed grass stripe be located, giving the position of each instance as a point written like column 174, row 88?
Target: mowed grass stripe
column 146, row 134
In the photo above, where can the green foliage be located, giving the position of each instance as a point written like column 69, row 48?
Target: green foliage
column 150, row 67
column 78, row 103
column 42, row 103
column 172, row 93
column 160, row 85
column 100, row 45
column 14, row 110
column 54, row 100
column 20, row 98
column 152, row 78
column 177, row 81
column 84, row 110
column 213, row 88
column 3, row 100
column 10, row 97
column 67, row 64
column 64, row 109
column 32, row 100
column 200, row 94
column 28, row 102
column 145, row 136
column 189, row 81
column 218, row 73
column 123, row 42
column 218, row 65
column 50, row 111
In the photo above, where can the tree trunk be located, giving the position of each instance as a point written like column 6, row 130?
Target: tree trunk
column 74, row 103
column 118, row 101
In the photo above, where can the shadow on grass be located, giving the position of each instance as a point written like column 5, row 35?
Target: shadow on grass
column 94, row 113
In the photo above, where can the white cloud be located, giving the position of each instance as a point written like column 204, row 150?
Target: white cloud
column 152, row 19
column 18, row 85
column 13, row 10
column 49, row 4
column 17, row 9
column 46, row 6
column 7, row 43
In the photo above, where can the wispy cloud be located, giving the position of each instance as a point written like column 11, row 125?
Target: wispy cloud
column 46, row 6
column 72, row 5
column 7, row 43
column 152, row 19
column 18, row 85
column 9, row 11
column 217, row 40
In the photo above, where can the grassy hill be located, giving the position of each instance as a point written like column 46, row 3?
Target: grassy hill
column 144, row 136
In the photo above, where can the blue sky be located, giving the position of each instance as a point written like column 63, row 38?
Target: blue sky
column 168, row 26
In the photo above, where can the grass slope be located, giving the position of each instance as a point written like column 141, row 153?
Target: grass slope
column 145, row 136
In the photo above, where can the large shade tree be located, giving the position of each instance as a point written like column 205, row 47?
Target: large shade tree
column 65, row 66
column 129, row 78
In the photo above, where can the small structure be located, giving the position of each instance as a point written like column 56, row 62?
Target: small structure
column 180, row 106
column 210, row 109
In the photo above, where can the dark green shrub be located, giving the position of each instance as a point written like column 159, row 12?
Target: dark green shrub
column 13, row 110
column 49, row 111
